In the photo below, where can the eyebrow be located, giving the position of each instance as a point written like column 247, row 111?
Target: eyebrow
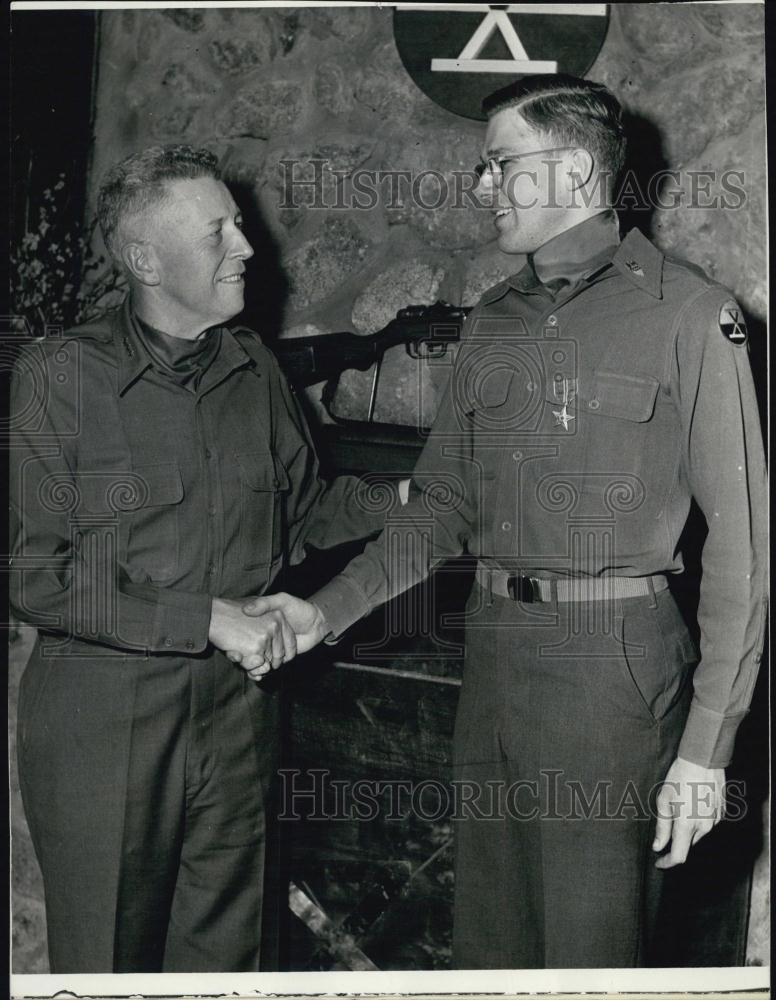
column 223, row 218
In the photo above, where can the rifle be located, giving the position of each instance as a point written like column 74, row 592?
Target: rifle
column 426, row 332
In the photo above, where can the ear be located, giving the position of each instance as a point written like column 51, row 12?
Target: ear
column 140, row 261
column 580, row 168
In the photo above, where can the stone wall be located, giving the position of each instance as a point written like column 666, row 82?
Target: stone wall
column 260, row 87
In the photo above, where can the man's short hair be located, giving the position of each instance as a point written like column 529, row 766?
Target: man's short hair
column 573, row 112
column 139, row 182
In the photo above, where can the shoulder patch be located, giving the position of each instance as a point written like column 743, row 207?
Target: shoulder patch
column 731, row 323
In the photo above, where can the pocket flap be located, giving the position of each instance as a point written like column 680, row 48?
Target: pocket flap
column 493, row 389
column 260, row 472
column 158, row 485
column 143, row 486
column 612, row 394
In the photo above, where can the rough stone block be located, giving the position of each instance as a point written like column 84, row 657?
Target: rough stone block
column 410, row 283
column 341, row 155
column 332, row 89
column 27, row 879
column 173, row 123
column 745, row 20
column 234, row 55
column 438, row 199
column 717, row 100
column 184, row 84
column 263, row 109
column 727, row 242
column 382, row 86
column 188, row 20
column 674, row 38
column 344, row 25
column 29, row 941
column 320, row 264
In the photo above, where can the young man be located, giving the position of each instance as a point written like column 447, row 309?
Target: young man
column 596, row 392
column 162, row 473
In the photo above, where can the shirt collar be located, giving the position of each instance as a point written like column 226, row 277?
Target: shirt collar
column 636, row 258
column 573, row 254
column 641, row 263
column 134, row 360
column 567, row 255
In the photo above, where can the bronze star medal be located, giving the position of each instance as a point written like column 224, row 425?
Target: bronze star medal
column 562, row 416
column 732, row 323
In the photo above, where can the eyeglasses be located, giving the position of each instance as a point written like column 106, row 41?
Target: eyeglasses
column 494, row 164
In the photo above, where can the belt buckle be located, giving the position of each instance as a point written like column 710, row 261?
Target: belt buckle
column 523, row 589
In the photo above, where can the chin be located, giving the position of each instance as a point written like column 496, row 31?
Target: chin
column 511, row 243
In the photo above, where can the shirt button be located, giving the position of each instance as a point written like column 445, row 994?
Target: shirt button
column 168, row 642
column 189, row 644
column 517, row 455
column 506, row 525
column 552, row 320
column 594, row 404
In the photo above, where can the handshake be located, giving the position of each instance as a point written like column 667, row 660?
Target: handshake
column 263, row 632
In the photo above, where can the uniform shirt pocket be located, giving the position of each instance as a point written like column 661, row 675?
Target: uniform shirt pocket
column 154, row 514
column 627, row 439
column 623, row 397
column 263, row 484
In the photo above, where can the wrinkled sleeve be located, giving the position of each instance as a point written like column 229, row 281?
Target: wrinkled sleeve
column 436, row 524
column 320, row 513
column 65, row 573
column 725, row 466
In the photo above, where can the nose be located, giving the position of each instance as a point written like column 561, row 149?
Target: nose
column 241, row 248
column 485, row 184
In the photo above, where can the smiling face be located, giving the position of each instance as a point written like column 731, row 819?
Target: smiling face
column 198, row 251
column 531, row 206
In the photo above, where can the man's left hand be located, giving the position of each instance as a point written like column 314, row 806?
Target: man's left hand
column 689, row 805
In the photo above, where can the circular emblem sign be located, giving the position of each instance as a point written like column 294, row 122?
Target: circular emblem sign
column 459, row 53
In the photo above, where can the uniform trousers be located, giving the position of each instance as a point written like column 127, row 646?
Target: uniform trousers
column 571, row 714
column 144, row 782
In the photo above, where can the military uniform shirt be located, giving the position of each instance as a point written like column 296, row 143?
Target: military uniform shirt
column 574, row 431
column 135, row 501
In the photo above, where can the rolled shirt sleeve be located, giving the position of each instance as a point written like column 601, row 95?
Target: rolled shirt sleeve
column 724, row 463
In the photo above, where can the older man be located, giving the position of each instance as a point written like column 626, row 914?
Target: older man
column 597, row 392
column 162, row 471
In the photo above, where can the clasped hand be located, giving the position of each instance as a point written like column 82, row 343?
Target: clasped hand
column 262, row 633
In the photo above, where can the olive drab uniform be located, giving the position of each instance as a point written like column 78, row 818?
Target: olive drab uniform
column 143, row 485
column 595, row 393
